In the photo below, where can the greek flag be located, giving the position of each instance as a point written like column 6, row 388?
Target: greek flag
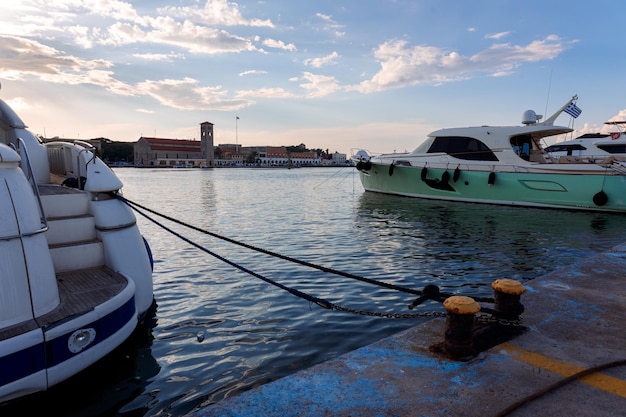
column 573, row 110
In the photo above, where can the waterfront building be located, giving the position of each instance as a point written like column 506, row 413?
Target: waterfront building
column 228, row 155
column 168, row 153
column 176, row 153
column 206, row 143
column 278, row 156
column 336, row 159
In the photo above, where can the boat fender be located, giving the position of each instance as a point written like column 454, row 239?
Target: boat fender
column 359, row 165
column 456, row 175
column 367, row 165
column 391, row 167
column 600, row 198
column 423, row 174
column 445, row 177
column 492, row 178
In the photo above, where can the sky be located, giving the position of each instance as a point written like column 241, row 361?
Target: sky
column 335, row 75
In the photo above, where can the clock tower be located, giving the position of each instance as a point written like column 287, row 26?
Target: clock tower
column 206, row 143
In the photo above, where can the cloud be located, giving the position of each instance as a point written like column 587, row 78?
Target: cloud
column 197, row 39
column 497, row 35
column 114, row 9
column 403, row 65
column 26, row 58
column 117, row 23
column 320, row 62
column 266, row 93
column 251, row 72
column 319, row 85
column 207, row 27
column 324, row 17
column 514, row 55
column 120, row 34
column 619, row 117
column 171, row 57
column 271, row 43
column 217, row 13
column 167, row 31
column 187, row 94
column 330, row 25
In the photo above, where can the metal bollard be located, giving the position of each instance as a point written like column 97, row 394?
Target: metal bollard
column 460, row 325
column 507, row 293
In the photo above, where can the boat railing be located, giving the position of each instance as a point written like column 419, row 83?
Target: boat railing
column 80, row 156
column 85, row 145
column 619, row 168
column 27, row 168
column 445, row 164
column 60, row 153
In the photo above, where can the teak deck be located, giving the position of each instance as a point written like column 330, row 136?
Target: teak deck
column 79, row 292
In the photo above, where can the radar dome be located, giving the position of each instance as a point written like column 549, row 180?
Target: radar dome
column 529, row 117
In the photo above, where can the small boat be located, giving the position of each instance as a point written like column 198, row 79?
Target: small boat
column 75, row 272
column 593, row 147
column 504, row 165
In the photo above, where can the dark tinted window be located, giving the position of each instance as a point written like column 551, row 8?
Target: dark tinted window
column 613, row 148
column 565, row 148
column 462, row 148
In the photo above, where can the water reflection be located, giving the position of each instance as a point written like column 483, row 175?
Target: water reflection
column 255, row 333
column 460, row 244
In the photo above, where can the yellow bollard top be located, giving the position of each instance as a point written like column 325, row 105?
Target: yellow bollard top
column 459, row 304
column 508, row 286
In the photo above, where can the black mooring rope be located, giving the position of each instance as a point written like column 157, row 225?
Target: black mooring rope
column 319, row 301
column 559, row 384
column 134, row 206
column 277, row 255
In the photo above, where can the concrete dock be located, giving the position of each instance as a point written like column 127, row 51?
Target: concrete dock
column 574, row 319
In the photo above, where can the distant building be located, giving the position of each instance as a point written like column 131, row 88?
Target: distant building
column 206, row 142
column 229, row 155
column 305, row 158
column 338, row 158
column 169, row 153
column 278, row 156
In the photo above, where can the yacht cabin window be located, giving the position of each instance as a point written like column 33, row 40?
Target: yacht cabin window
column 522, row 145
column 569, row 149
column 613, row 148
column 462, row 147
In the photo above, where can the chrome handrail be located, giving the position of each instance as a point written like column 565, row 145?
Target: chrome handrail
column 87, row 147
column 31, row 179
column 21, row 235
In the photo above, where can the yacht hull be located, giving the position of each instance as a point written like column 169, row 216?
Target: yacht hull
column 75, row 271
column 531, row 189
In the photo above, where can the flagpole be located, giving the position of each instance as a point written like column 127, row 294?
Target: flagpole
column 236, row 134
column 551, row 119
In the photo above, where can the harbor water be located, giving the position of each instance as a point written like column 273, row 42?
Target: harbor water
column 220, row 328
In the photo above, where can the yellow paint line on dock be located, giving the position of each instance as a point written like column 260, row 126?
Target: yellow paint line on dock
column 598, row 380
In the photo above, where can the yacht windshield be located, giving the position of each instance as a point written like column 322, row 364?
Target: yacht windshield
column 462, row 148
